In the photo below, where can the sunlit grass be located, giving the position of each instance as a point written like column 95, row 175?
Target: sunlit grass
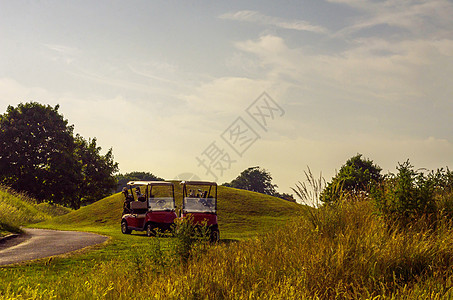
column 343, row 251
column 351, row 255
column 17, row 209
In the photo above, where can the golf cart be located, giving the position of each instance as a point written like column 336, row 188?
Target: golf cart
column 152, row 207
column 200, row 201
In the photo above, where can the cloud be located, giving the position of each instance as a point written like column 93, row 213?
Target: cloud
column 415, row 16
column 259, row 18
column 13, row 93
column 62, row 53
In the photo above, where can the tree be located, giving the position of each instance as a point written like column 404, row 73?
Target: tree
column 39, row 155
column 285, row 196
column 36, row 152
column 122, row 180
column 254, row 179
column 358, row 174
column 97, row 180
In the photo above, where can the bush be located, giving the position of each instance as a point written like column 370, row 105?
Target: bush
column 407, row 196
column 190, row 238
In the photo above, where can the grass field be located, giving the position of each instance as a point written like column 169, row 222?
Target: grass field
column 241, row 214
column 269, row 250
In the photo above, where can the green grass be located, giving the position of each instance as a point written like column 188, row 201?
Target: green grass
column 334, row 252
column 17, row 210
column 241, row 214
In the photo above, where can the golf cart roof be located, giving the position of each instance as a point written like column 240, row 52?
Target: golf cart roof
column 149, row 183
column 198, row 183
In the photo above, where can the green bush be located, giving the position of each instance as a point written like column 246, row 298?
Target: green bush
column 190, row 238
column 406, row 196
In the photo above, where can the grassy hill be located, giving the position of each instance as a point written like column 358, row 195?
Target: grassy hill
column 241, row 213
column 18, row 210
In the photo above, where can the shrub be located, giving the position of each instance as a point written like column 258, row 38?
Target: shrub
column 407, row 196
column 188, row 238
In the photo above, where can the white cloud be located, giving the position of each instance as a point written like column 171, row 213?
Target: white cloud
column 13, row 93
column 228, row 95
column 62, row 53
column 259, row 18
column 418, row 17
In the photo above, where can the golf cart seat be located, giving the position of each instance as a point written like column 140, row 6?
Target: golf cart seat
column 138, row 205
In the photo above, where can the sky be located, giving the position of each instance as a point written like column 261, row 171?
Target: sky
column 207, row 89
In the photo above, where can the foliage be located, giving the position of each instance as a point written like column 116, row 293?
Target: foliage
column 407, row 195
column 96, row 170
column 6, row 228
column 254, row 179
column 357, row 175
column 285, row 196
column 188, row 237
column 40, row 155
column 123, row 179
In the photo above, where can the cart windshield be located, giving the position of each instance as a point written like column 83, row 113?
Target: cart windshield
column 202, row 205
column 161, row 203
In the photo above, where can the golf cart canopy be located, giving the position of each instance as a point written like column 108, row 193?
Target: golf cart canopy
column 198, row 183
column 155, row 183
column 199, row 197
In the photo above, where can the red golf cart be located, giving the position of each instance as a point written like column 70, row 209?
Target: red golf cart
column 200, row 201
column 152, row 207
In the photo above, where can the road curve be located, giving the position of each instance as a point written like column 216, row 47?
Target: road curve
column 41, row 243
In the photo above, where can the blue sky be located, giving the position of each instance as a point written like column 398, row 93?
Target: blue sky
column 173, row 87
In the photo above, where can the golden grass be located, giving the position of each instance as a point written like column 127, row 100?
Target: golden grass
column 350, row 254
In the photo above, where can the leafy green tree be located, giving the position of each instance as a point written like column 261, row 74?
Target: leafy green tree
column 39, row 155
column 97, row 169
column 122, row 180
column 357, row 175
column 254, row 179
column 36, row 153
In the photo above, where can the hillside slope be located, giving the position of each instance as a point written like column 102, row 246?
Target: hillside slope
column 18, row 210
column 241, row 213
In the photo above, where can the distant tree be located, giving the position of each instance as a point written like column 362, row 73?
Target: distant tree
column 122, row 180
column 254, row 179
column 358, row 174
column 285, row 196
column 40, row 155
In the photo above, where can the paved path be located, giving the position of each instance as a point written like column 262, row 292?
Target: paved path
column 41, row 243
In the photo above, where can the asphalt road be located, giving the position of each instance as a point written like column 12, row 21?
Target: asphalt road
column 41, row 243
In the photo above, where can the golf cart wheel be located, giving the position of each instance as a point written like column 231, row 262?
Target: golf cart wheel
column 215, row 236
column 124, row 228
column 150, row 230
